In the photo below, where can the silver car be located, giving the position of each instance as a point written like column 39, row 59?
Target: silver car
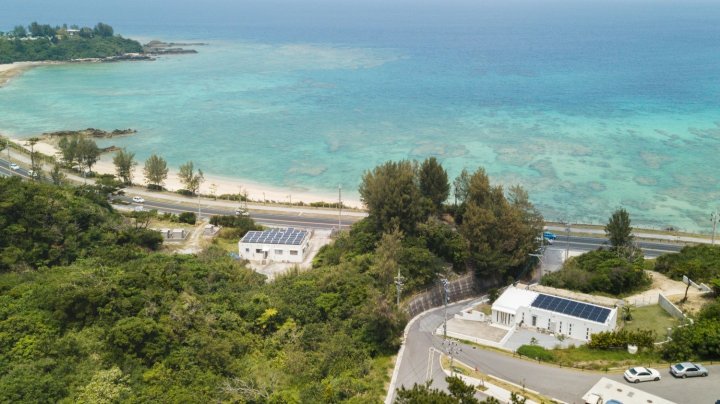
column 688, row 369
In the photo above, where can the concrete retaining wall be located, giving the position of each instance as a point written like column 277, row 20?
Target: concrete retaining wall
column 458, row 289
column 669, row 307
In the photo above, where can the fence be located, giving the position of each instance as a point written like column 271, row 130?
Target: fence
column 461, row 288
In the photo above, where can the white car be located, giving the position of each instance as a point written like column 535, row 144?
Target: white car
column 641, row 374
column 14, row 166
column 241, row 212
column 138, row 199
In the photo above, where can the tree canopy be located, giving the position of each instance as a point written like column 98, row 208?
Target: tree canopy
column 434, row 183
column 392, row 196
column 619, row 230
column 190, row 179
column 156, row 170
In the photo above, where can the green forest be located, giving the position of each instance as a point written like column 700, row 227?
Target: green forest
column 45, row 43
column 93, row 310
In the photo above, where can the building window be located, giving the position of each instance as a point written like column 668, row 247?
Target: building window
column 258, row 251
column 293, row 252
column 278, row 252
column 570, row 329
column 560, row 329
column 522, row 320
column 247, row 250
column 534, row 321
column 587, row 333
column 548, row 324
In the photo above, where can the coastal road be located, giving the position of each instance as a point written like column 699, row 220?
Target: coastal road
column 565, row 384
column 327, row 221
column 268, row 219
column 651, row 249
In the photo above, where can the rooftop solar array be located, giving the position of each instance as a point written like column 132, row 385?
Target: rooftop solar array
column 288, row 236
column 571, row 308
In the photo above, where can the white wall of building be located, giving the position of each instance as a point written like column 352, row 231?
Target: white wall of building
column 558, row 323
column 514, row 309
column 274, row 252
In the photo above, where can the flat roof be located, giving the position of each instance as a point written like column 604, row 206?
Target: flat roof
column 287, row 236
column 514, row 298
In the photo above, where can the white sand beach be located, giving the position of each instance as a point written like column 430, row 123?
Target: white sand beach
column 10, row 70
column 224, row 185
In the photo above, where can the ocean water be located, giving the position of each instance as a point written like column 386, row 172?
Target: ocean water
column 590, row 105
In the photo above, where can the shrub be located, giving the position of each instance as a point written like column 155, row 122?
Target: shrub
column 600, row 271
column 187, row 217
column 701, row 262
column 536, row 352
column 154, row 187
column 621, row 339
column 184, row 192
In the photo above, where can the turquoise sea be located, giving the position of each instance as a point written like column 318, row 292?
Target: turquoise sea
column 591, row 105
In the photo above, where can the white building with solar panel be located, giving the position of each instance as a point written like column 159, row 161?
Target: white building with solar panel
column 276, row 245
column 558, row 315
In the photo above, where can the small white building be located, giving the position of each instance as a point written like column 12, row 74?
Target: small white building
column 277, row 245
column 557, row 315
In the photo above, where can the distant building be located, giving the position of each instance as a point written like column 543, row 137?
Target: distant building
column 72, row 31
column 277, row 245
column 558, row 315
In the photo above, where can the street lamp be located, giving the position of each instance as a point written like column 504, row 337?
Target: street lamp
column 714, row 218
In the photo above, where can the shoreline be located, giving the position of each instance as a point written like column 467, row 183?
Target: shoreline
column 256, row 191
column 10, row 71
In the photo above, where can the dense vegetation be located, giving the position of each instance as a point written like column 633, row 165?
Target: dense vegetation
column 90, row 313
column 104, row 315
column 699, row 340
column 43, row 42
column 600, row 271
column 701, row 263
column 617, row 271
column 43, row 225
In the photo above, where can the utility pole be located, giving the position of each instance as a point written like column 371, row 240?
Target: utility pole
column 340, row 213
column 714, row 218
column 445, row 285
column 567, row 239
column 199, row 209
column 399, row 282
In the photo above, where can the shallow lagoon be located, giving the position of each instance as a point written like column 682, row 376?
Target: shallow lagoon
column 589, row 108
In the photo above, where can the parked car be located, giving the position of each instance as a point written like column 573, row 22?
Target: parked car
column 688, row 369
column 241, row 212
column 641, row 374
column 138, row 199
column 14, row 166
column 549, row 236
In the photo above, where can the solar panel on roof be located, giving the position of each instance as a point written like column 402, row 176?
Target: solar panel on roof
column 571, row 308
column 276, row 236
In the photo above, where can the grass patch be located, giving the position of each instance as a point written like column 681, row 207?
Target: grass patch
column 652, row 318
column 484, row 308
column 229, row 245
column 599, row 359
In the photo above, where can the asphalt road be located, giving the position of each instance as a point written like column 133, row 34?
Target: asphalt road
column 651, row 249
column 269, row 219
column 565, row 384
column 581, row 243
